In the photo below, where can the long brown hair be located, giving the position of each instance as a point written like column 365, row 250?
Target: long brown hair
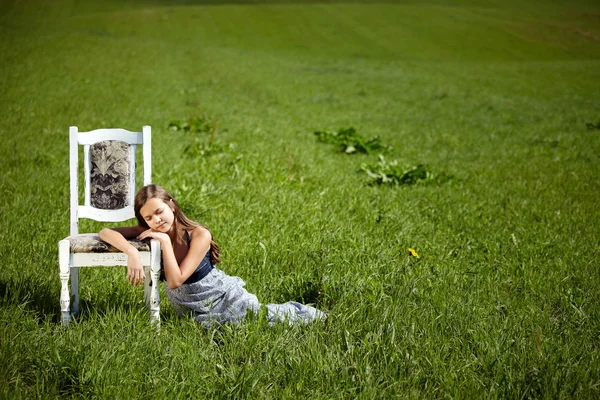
column 181, row 223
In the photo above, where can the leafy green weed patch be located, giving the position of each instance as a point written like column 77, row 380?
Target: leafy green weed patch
column 200, row 124
column 391, row 173
column 351, row 142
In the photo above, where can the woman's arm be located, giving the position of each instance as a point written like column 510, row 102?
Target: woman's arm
column 177, row 274
column 127, row 232
column 118, row 238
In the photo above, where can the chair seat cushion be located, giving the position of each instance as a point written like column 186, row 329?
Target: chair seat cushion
column 91, row 243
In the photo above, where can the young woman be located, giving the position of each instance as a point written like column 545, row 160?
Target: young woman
column 189, row 254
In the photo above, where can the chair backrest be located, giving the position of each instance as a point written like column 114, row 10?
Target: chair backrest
column 109, row 173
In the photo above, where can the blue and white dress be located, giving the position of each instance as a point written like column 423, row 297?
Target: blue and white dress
column 214, row 298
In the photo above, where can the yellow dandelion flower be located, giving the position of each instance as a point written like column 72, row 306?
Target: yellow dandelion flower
column 413, row 253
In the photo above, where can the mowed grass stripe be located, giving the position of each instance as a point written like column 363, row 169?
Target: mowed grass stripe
column 406, row 31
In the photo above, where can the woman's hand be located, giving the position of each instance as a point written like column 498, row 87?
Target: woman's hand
column 135, row 269
column 163, row 237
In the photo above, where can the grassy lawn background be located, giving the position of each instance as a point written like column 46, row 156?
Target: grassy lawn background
column 504, row 299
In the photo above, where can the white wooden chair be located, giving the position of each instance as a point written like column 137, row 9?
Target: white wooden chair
column 109, row 174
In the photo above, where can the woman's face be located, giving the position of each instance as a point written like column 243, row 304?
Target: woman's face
column 158, row 215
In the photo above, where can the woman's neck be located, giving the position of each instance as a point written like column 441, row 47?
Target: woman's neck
column 173, row 234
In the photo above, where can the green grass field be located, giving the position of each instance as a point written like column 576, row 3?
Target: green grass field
column 500, row 98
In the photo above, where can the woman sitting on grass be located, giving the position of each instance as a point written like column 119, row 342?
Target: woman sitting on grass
column 188, row 257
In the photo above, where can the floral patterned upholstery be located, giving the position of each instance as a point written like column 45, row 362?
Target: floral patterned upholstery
column 109, row 174
column 91, row 243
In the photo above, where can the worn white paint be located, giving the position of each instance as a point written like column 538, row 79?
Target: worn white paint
column 74, row 184
column 100, row 135
column 71, row 262
column 147, row 148
column 87, row 166
column 63, row 262
column 132, row 155
column 154, row 304
column 98, row 214
column 106, row 259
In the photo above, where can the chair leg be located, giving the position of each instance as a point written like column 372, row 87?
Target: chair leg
column 63, row 261
column 155, row 258
column 147, row 285
column 74, row 291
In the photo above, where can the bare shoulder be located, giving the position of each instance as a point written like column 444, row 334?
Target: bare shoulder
column 200, row 240
column 201, row 233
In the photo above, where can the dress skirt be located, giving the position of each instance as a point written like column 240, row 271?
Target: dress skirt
column 219, row 298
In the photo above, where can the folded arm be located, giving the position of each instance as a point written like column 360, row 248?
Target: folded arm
column 176, row 273
column 118, row 238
